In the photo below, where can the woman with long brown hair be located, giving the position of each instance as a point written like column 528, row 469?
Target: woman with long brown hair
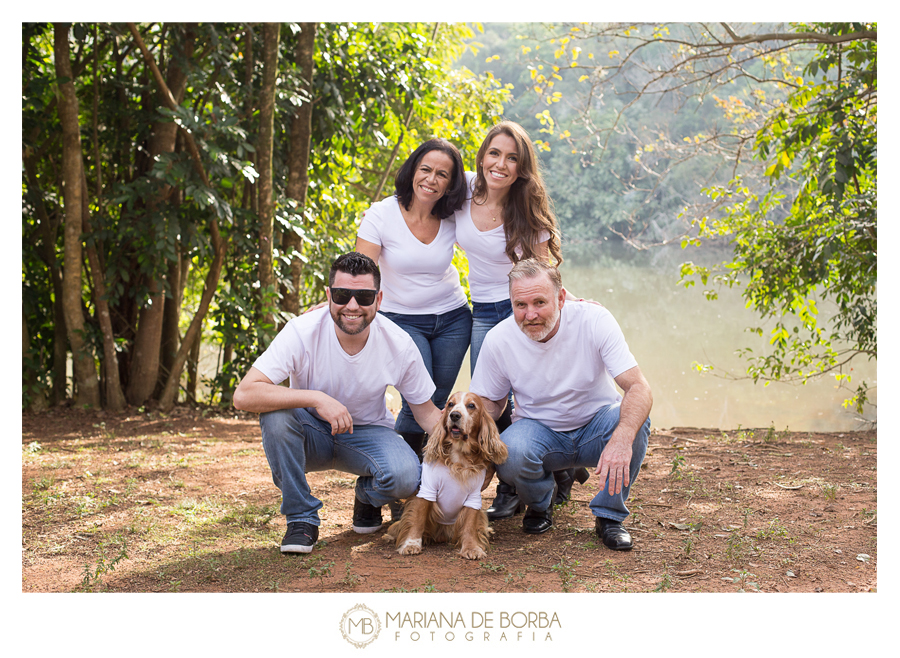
column 507, row 217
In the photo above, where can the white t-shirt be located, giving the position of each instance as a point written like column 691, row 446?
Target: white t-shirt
column 451, row 495
column 417, row 278
column 308, row 352
column 486, row 251
column 564, row 382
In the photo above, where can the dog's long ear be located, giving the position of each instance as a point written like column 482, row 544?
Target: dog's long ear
column 495, row 450
column 434, row 449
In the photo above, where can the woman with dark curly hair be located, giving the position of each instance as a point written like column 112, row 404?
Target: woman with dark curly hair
column 407, row 235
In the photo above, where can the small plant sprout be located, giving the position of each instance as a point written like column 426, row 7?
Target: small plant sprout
column 741, row 579
column 830, row 491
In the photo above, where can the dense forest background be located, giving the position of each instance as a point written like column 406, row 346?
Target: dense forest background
column 186, row 184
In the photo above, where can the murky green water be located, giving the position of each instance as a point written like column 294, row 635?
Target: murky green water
column 668, row 328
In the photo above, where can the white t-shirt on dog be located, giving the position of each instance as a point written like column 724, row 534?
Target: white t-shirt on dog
column 564, row 382
column 451, row 495
column 307, row 351
column 417, row 278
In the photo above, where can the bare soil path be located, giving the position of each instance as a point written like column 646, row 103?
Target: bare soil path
column 185, row 502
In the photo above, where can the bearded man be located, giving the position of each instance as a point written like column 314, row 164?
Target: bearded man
column 563, row 362
column 340, row 361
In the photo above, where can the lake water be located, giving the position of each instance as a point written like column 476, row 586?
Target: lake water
column 669, row 327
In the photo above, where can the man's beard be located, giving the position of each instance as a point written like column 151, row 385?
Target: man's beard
column 351, row 331
column 538, row 332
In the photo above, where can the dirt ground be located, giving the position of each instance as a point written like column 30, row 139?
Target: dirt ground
column 145, row 502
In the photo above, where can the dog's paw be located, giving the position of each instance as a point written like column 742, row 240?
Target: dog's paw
column 473, row 553
column 411, row 547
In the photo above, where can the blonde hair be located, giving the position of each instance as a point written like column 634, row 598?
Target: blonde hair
column 533, row 267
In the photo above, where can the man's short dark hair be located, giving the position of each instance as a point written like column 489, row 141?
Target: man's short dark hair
column 355, row 264
column 455, row 195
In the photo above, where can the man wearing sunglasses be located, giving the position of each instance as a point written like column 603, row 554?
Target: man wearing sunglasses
column 333, row 415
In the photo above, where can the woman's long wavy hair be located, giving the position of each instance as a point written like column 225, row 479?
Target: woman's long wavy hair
column 528, row 211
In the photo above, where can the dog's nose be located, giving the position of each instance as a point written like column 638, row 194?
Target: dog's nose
column 455, row 416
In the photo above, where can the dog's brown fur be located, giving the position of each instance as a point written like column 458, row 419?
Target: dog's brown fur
column 466, row 440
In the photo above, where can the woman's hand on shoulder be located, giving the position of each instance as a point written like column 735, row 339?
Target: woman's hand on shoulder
column 572, row 298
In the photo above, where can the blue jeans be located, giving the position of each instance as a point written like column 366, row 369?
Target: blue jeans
column 484, row 317
column 297, row 443
column 442, row 341
column 535, row 451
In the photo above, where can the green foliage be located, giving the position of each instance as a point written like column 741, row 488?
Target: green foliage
column 378, row 90
column 793, row 252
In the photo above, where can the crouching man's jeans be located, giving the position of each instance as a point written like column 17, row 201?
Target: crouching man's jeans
column 535, row 451
column 297, row 443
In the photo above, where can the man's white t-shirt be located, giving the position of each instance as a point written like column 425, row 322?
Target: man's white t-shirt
column 489, row 265
column 451, row 495
column 564, row 382
column 417, row 278
column 307, row 352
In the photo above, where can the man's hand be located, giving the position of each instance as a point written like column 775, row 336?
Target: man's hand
column 615, row 463
column 332, row 411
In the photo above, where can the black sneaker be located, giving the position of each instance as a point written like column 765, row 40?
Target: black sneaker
column 300, row 537
column 366, row 518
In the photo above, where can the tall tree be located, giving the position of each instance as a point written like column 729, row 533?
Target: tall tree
column 264, row 151
column 298, row 162
column 87, row 385
column 144, row 371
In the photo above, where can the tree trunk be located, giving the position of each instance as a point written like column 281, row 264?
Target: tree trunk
column 87, row 385
column 114, row 397
column 271, row 34
column 177, row 278
column 145, row 361
column 193, row 367
column 298, row 163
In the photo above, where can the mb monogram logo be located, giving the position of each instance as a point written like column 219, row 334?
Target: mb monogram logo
column 360, row 626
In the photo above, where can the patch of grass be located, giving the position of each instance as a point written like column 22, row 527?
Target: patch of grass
column 350, row 579
column 250, row 516
column 321, row 571
column 565, row 569
column 666, row 582
column 92, row 577
column 830, row 491
column 495, row 568
column 737, row 547
column 615, row 573
column 776, row 529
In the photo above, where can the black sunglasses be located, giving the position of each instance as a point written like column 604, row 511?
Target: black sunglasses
column 342, row 296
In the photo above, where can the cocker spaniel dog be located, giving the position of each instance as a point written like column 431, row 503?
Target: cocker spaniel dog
column 458, row 464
